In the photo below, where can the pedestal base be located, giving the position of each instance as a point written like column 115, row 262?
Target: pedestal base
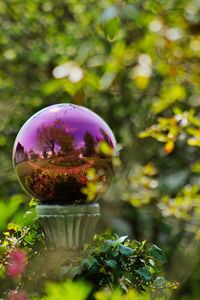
column 68, row 226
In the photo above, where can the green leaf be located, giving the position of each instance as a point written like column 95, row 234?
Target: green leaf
column 114, row 253
column 33, row 202
column 156, row 252
column 30, row 238
column 8, row 209
column 144, row 272
column 90, row 262
column 110, row 22
column 67, row 290
column 111, row 263
column 125, row 250
column 105, row 247
column 112, row 28
column 2, row 271
column 122, row 239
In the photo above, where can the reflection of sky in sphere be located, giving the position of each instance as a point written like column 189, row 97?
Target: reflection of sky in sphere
column 78, row 121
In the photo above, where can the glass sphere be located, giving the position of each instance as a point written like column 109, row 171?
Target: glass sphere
column 58, row 155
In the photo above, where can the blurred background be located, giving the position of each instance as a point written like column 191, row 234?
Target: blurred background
column 136, row 64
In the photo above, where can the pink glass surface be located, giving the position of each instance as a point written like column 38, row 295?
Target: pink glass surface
column 55, row 149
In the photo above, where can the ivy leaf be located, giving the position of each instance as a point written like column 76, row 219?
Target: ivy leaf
column 122, row 249
column 144, row 272
column 105, row 247
column 111, row 263
column 30, row 238
column 125, row 250
column 122, row 239
column 156, row 252
column 90, row 262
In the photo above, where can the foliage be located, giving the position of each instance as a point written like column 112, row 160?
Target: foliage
column 7, row 211
column 67, row 290
column 111, row 261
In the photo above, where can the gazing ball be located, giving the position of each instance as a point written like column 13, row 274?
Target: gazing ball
column 59, row 155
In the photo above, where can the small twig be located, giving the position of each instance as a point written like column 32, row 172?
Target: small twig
column 109, row 284
column 23, row 235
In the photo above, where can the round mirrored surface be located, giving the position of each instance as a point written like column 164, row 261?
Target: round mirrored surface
column 58, row 155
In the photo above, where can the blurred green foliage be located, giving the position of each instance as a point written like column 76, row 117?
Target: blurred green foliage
column 136, row 64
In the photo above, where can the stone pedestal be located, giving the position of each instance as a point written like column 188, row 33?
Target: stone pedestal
column 68, row 226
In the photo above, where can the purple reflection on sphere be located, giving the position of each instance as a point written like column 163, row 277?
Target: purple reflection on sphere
column 55, row 150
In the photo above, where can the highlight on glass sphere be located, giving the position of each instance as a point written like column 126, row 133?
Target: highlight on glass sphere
column 59, row 155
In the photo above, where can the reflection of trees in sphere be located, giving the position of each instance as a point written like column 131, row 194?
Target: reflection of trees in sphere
column 55, row 151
